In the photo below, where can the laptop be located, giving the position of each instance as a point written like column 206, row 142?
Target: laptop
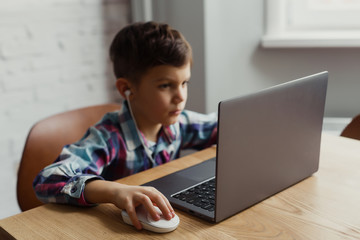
column 267, row 142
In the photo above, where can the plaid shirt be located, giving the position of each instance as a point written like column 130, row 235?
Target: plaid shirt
column 112, row 150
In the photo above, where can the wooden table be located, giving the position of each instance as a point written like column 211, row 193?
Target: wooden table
column 324, row 206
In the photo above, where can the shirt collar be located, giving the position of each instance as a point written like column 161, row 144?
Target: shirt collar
column 168, row 133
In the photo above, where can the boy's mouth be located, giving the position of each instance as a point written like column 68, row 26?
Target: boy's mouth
column 176, row 112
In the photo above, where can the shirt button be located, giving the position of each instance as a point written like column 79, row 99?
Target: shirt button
column 74, row 189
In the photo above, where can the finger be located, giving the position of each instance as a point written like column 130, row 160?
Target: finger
column 162, row 203
column 166, row 209
column 148, row 204
column 133, row 217
column 169, row 206
column 171, row 209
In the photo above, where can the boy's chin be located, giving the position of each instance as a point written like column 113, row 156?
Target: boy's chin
column 171, row 121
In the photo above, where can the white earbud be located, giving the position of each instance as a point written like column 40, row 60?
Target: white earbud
column 127, row 94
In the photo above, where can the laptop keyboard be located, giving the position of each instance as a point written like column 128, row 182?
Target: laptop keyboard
column 201, row 195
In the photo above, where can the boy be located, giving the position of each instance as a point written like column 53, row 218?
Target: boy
column 152, row 64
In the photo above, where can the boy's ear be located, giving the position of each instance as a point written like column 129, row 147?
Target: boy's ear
column 122, row 85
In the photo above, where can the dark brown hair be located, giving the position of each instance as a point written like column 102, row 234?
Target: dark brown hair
column 140, row 46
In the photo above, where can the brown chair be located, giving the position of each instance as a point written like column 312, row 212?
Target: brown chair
column 352, row 130
column 45, row 142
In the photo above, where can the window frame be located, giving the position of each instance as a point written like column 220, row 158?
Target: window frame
column 279, row 34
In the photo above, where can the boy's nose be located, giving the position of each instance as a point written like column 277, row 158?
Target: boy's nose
column 180, row 95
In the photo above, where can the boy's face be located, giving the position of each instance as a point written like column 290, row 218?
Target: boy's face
column 160, row 96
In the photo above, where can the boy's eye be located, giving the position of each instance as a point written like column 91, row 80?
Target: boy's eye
column 185, row 83
column 170, row 85
column 165, row 85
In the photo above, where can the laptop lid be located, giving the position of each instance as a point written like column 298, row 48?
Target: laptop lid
column 268, row 141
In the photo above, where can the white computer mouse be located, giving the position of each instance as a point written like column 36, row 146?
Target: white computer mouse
column 160, row 226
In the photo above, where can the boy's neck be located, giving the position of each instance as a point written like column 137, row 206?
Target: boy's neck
column 149, row 130
column 151, row 133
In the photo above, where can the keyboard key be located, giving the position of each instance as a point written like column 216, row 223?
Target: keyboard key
column 202, row 195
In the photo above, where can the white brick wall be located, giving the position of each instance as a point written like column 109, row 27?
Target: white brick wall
column 53, row 57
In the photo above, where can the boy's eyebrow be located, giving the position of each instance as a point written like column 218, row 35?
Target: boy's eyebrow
column 169, row 79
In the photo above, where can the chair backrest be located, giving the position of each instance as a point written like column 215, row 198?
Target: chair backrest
column 45, row 142
column 352, row 130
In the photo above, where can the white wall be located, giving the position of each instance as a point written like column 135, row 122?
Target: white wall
column 232, row 33
column 228, row 34
column 53, row 57
column 236, row 64
column 187, row 16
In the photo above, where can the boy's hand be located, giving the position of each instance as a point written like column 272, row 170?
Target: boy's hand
column 128, row 198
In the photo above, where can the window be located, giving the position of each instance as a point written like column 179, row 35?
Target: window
column 312, row 23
